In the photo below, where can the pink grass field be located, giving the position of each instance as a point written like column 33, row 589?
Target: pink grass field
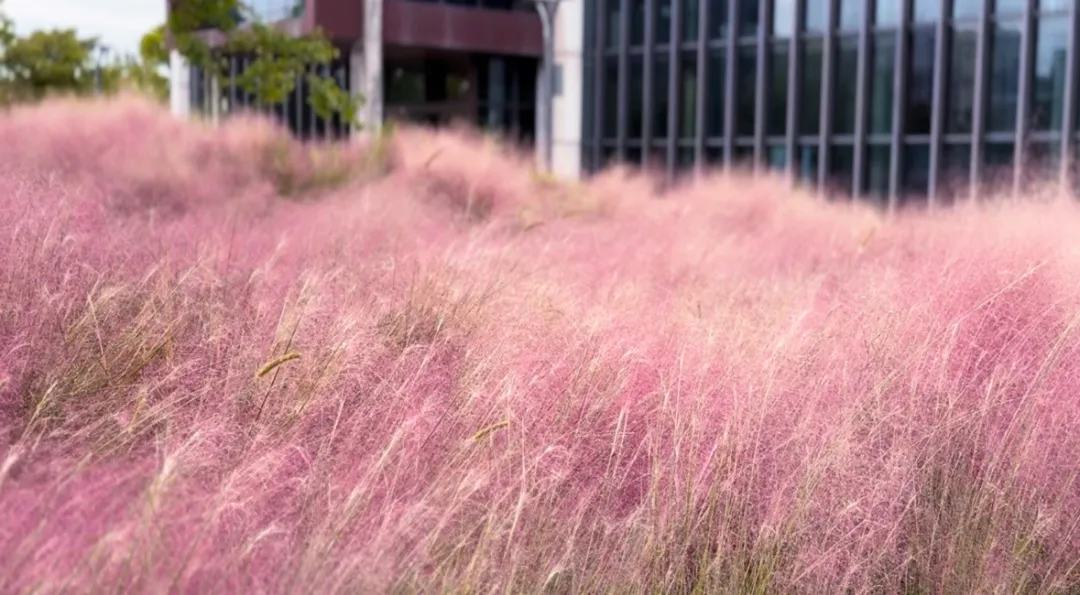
column 498, row 383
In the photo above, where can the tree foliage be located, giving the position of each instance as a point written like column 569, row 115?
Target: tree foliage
column 56, row 60
column 278, row 59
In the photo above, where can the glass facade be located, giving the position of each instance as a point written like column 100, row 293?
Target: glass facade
column 931, row 100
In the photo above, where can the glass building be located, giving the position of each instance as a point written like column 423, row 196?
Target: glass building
column 896, row 101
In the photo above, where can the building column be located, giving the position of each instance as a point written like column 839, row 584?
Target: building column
column 366, row 68
column 179, row 85
column 568, row 100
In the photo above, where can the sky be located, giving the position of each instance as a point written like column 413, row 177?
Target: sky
column 119, row 23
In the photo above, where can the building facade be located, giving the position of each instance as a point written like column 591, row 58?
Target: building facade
column 894, row 100
column 430, row 61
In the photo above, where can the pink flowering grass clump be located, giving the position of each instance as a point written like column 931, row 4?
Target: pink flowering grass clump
column 458, row 376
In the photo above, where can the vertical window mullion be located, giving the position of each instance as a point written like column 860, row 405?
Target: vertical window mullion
column 794, row 87
column 827, row 95
column 730, row 96
column 622, row 85
column 899, row 102
column 599, row 44
column 937, row 109
column 862, row 105
column 978, row 112
column 1023, row 97
column 674, row 44
column 1068, row 119
column 760, row 95
column 702, row 84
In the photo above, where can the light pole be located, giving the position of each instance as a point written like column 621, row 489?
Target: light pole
column 544, row 129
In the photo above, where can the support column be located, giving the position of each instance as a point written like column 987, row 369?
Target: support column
column 179, row 85
column 366, row 68
column 568, row 98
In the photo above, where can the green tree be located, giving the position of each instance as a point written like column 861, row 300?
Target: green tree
column 56, row 60
column 278, row 59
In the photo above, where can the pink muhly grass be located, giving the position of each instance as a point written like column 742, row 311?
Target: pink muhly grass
column 458, row 375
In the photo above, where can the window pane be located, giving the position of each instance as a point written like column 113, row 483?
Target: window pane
column 718, row 19
column 714, row 156
column 877, row 170
column 954, row 170
column 916, row 169
column 841, row 169
column 690, row 20
column 810, row 88
column 777, row 157
column 714, row 101
column 851, row 14
column 745, row 79
column 927, row 11
column 1004, row 77
column 967, row 9
column 1052, row 49
column 1049, row 5
column 997, row 168
column 685, row 159
column 960, row 90
column 806, row 168
column 662, row 25
column 817, row 14
column 611, row 23
column 749, row 13
column 778, row 89
column 637, row 22
column 881, row 89
column 688, row 95
column 743, row 156
column 887, row 13
column 1006, row 7
column 920, row 98
column 847, row 66
column 783, row 24
column 636, row 89
column 611, row 96
column 1042, row 161
column 661, row 74
column 633, row 155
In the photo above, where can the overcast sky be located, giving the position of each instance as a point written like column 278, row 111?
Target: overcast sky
column 119, row 23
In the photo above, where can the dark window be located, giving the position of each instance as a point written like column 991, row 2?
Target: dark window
column 685, row 159
column 714, row 101
column 611, row 96
column 920, row 92
column 997, row 168
column 637, row 22
column 783, row 18
column 966, row 9
column 847, row 66
column 960, row 99
column 810, row 88
column 807, row 167
column 887, row 13
column 633, row 155
column 690, row 20
column 636, row 89
column 851, row 14
column 927, row 11
column 777, row 157
column 743, row 156
column 841, row 169
column 1042, row 161
column 778, row 89
column 749, row 17
column 817, row 15
column 662, row 24
column 718, row 19
column 1048, row 89
column 1008, row 7
column 612, row 23
column 955, row 170
column 1004, row 78
column 661, row 74
column 746, row 93
column 881, row 89
column 688, row 95
column 714, row 156
column 877, row 170
column 916, row 169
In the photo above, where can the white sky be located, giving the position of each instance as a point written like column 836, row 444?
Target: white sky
column 119, row 23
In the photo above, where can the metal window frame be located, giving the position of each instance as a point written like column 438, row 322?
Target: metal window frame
column 793, row 92
column 899, row 104
column 1023, row 99
column 702, row 84
column 1068, row 120
column 862, row 107
column 765, row 10
column 979, row 107
column 942, row 41
column 622, row 82
column 674, row 47
column 730, row 97
column 828, row 67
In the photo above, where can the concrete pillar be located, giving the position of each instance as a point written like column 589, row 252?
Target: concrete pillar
column 179, row 85
column 366, row 68
column 569, row 96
